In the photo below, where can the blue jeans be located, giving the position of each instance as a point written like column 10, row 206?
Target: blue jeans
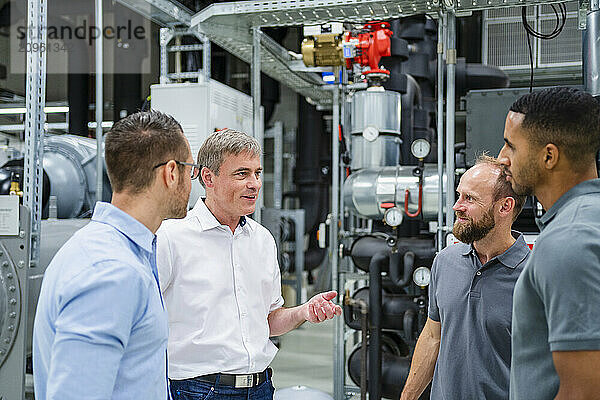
column 192, row 389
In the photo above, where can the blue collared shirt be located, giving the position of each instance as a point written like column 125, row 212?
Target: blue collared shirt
column 100, row 329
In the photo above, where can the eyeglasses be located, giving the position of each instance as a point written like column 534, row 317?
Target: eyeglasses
column 194, row 173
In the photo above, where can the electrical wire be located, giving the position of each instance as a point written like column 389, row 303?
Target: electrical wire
column 561, row 19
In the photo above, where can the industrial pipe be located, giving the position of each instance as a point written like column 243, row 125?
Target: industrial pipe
column 364, row 248
column 375, row 268
column 440, row 129
column 393, row 309
column 591, row 50
column 450, row 113
column 407, row 268
column 394, row 369
column 408, row 323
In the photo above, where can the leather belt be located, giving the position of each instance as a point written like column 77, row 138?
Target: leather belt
column 238, row 380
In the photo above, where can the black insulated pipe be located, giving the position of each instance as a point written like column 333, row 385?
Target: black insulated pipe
column 395, row 369
column 409, row 323
column 407, row 268
column 393, row 308
column 375, row 268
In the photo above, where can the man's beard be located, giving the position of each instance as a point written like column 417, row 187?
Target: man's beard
column 469, row 232
column 179, row 202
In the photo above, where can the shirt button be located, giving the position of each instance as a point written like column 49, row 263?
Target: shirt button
column 478, row 273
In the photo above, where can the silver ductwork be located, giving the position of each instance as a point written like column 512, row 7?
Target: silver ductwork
column 375, row 129
column 365, row 191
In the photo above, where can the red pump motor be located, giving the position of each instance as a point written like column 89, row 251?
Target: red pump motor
column 367, row 48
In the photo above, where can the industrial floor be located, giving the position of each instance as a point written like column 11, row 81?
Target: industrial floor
column 305, row 358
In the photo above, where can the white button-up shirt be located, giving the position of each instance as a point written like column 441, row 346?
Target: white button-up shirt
column 219, row 288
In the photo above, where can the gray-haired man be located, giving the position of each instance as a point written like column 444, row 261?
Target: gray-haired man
column 221, row 282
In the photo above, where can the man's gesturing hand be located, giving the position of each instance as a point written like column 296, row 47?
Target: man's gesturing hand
column 319, row 307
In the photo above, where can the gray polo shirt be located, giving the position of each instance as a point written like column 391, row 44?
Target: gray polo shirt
column 557, row 298
column 473, row 302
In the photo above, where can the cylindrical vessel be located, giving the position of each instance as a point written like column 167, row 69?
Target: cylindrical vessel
column 69, row 161
column 381, row 111
column 393, row 308
column 366, row 190
column 385, row 150
column 394, row 372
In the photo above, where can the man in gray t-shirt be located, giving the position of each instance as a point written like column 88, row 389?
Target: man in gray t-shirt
column 465, row 345
column 551, row 140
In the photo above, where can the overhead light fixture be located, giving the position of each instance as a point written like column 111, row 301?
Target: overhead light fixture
column 23, row 110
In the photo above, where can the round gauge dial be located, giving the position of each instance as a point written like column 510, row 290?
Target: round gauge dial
column 393, row 216
column 420, row 148
column 370, row 133
column 422, row 276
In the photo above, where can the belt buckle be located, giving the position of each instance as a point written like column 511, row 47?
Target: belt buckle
column 244, row 381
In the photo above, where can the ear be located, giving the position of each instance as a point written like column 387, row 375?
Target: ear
column 507, row 205
column 550, row 156
column 170, row 174
column 207, row 177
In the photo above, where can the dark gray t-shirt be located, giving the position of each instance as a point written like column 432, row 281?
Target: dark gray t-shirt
column 557, row 298
column 474, row 305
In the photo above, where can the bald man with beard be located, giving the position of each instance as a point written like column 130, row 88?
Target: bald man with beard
column 465, row 346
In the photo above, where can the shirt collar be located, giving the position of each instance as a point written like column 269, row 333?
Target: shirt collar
column 137, row 232
column 209, row 221
column 583, row 188
column 512, row 256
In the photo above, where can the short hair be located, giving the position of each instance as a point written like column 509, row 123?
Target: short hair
column 502, row 187
column 136, row 144
column 222, row 143
column 567, row 117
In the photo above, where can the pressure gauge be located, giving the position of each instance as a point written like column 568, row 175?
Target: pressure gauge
column 420, row 148
column 422, row 276
column 393, row 216
column 370, row 133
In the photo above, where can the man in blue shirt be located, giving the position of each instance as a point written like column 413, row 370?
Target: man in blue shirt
column 101, row 329
column 551, row 140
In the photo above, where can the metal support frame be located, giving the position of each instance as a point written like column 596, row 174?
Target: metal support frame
column 257, row 115
column 34, row 120
column 99, row 105
column 450, row 112
column 440, row 129
column 277, row 135
column 14, row 280
column 165, row 37
column 338, row 358
column 163, row 12
column 297, row 216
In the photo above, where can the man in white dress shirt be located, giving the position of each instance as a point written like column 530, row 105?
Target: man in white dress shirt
column 221, row 282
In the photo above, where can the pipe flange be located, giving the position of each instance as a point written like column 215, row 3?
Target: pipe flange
column 10, row 304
